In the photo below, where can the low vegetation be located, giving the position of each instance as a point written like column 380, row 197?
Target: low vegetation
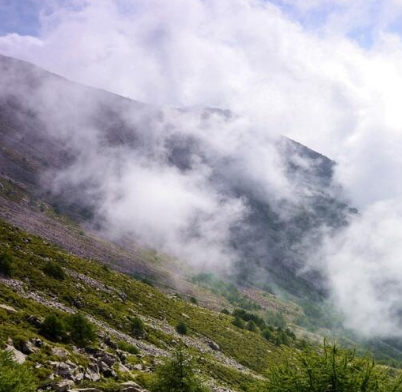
column 234, row 349
column 330, row 369
column 177, row 374
column 15, row 377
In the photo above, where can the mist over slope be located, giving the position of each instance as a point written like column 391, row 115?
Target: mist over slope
column 200, row 184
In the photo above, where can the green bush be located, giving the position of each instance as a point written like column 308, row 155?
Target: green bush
column 54, row 270
column 177, row 375
column 247, row 316
column 129, row 348
column 82, row 332
column 330, row 369
column 148, row 282
column 238, row 322
column 53, row 327
column 251, row 326
column 276, row 319
column 15, row 377
column 6, row 267
column 137, row 327
column 194, row 300
column 267, row 334
column 181, row 328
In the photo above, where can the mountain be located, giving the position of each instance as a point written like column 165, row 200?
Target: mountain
column 70, row 251
column 53, row 128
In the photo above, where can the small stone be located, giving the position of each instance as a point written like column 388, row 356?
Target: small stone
column 59, row 352
column 63, row 386
column 8, row 308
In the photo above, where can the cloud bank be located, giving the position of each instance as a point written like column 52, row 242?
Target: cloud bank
column 311, row 70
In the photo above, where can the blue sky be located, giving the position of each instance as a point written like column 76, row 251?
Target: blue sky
column 19, row 16
column 23, row 16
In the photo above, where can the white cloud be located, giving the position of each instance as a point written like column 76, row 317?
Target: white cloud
column 319, row 87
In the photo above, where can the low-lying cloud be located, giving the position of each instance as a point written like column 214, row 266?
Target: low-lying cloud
column 281, row 74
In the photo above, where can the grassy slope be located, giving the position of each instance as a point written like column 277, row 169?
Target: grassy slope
column 30, row 255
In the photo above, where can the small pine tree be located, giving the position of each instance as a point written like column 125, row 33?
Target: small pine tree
column 238, row 322
column 330, row 369
column 251, row 326
column 6, row 262
column 181, row 328
column 53, row 328
column 137, row 327
column 15, row 377
column 82, row 332
column 267, row 334
column 177, row 375
column 54, row 270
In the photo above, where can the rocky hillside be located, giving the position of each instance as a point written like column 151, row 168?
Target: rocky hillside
column 39, row 279
column 45, row 123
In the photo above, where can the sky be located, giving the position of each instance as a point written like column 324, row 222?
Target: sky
column 327, row 73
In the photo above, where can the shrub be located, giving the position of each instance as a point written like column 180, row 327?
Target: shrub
column 238, row 322
column 53, row 327
column 82, row 332
column 251, row 326
column 15, row 377
column 267, row 334
column 54, row 270
column 330, row 369
column 193, row 300
column 177, row 375
column 147, row 281
column 247, row 316
column 137, row 327
column 181, row 328
column 6, row 267
column 129, row 348
column 276, row 319
column 225, row 311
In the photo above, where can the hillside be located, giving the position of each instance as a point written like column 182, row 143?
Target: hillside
column 63, row 143
column 69, row 245
column 226, row 355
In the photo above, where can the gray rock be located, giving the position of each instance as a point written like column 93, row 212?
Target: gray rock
column 213, row 345
column 8, row 308
column 17, row 355
column 63, row 386
column 92, row 373
column 106, row 370
column 28, row 348
column 85, row 390
column 130, row 386
column 37, row 342
column 59, row 352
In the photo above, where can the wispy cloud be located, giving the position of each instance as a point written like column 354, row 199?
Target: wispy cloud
column 292, row 68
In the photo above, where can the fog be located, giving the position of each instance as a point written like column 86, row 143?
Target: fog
column 333, row 84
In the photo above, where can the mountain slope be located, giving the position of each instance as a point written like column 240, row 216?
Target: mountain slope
column 46, row 120
column 225, row 354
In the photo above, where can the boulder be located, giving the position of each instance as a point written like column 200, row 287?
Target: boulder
column 35, row 321
column 130, row 386
column 85, row 390
column 59, row 352
column 92, row 373
column 213, row 345
column 63, row 386
column 28, row 348
column 106, row 370
column 17, row 355
column 8, row 308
